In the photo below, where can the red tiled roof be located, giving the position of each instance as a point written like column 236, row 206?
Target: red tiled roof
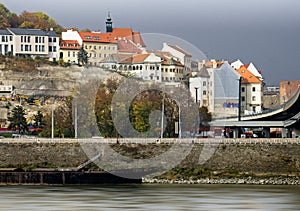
column 137, row 39
column 120, row 33
column 127, row 46
column 69, row 44
column 247, row 75
column 96, row 37
column 209, row 64
column 170, row 61
column 160, row 53
column 140, row 58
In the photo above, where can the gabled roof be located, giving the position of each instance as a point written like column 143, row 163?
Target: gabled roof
column 248, row 77
column 69, row 44
column 117, row 58
column 34, row 32
column 140, row 58
column 209, row 64
column 160, row 53
column 120, row 33
column 125, row 45
column 203, row 73
column 253, row 70
column 170, row 61
column 137, row 39
column 177, row 48
column 237, row 64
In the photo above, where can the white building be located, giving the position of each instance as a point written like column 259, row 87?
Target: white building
column 199, row 87
column 29, row 42
column 184, row 57
column 251, row 91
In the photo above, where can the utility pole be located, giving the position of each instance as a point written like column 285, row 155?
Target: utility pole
column 240, row 98
column 52, row 119
column 162, row 117
column 75, row 121
column 196, row 89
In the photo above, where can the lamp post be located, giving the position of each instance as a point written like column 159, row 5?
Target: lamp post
column 240, row 96
column 196, row 90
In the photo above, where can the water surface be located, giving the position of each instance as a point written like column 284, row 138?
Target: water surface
column 150, row 197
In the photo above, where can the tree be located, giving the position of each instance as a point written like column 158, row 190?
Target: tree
column 63, row 121
column 82, row 56
column 18, row 120
column 39, row 120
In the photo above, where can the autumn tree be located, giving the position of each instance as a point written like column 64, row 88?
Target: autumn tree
column 63, row 121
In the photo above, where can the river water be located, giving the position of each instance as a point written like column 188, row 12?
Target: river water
column 150, row 197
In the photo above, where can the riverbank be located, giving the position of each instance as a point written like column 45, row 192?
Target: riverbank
column 241, row 181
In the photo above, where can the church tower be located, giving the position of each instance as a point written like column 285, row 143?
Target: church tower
column 108, row 24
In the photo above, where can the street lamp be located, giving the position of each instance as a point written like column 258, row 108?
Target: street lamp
column 240, row 96
column 196, row 90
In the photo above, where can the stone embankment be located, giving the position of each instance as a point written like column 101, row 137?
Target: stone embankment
column 226, row 161
column 241, row 181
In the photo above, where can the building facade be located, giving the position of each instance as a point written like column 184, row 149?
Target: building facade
column 251, row 92
column 184, row 57
column 29, row 42
column 288, row 89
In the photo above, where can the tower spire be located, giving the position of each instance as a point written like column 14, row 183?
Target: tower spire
column 108, row 23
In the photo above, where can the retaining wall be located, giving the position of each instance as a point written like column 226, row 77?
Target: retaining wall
column 261, row 156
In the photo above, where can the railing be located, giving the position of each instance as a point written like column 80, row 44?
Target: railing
column 284, row 106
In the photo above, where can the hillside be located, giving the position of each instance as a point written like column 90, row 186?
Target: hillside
column 36, row 20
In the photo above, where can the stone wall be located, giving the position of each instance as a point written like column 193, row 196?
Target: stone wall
column 268, row 156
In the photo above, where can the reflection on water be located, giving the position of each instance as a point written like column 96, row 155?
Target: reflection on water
column 150, row 197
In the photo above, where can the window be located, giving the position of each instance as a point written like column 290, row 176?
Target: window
column 36, row 48
column 88, row 37
column 3, row 38
column 69, row 53
column 36, row 39
column 10, row 38
column 43, row 48
column 54, row 48
column 28, row 39
column 21, row 47
column 99, row 47
column 96, row 38
column 99, row 55
column 243, row 98
column 21, row 38
column 54, row 39
column 204, row 92
column 243, row 89
column 204, row 83
column 253, row 89
column 74, row 54
column 50, row 48
column 253, row 98
column 40, row 39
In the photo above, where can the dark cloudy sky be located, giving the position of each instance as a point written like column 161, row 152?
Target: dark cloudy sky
column 265, row 32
